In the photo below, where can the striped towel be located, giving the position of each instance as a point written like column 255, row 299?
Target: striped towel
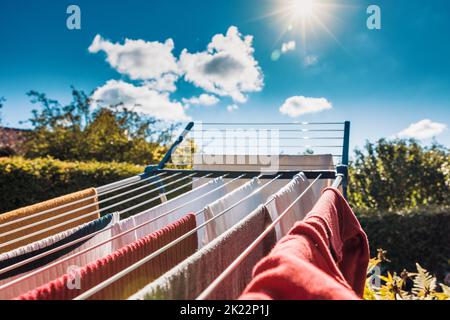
column 8, row 242
column 20, row 284
column 33, row 249
column 73, row 284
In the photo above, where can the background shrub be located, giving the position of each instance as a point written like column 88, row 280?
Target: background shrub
column 28, row 181
column 399, row 175
column 421, row 236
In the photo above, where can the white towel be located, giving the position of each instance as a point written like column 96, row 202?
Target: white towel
column 238, row 212
column 198, row 194
column 280, row 201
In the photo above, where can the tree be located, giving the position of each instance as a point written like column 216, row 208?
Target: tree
column 399, row 174
column 6, row 149
column 77, row 132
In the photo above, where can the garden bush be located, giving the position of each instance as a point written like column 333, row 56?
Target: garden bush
column 28, row 181
column 421, row 236
column 399, row 175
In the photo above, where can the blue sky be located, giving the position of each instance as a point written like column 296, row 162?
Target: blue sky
column 382, row 80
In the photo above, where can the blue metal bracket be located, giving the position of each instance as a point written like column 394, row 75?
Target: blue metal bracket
column 346, row 145
column 345, row 156
column 343, row 170
column 150, row 170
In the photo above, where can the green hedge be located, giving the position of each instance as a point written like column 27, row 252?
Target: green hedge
column 422, row 236
column 24, row 182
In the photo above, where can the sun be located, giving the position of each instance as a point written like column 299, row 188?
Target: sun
column 305, row 20
column 308, row 18
column 303, row 8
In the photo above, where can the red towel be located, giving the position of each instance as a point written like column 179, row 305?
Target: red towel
column 325, row 256
column 97, row 272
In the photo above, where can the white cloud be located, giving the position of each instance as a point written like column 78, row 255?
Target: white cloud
column 203, row 99
column 298, row 105
column 232, row 107
column 423, row 129
column 288, row 46
column 139, row 59
column 165, row 83
column 227, row 68
column 140, row 99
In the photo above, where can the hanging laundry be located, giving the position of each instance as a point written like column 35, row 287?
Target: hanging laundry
column 188, row 279
column 70, row 286
column 347, row 240
column 242, row 201
column 10, row 222
column 268, row 163
column 19, row 284
column 235, row 214
column 192, row 201
column 279, row 202
column 45, row 245
column 325, row 256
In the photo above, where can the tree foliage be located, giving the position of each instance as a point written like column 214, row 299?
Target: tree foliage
column 28, row 181
column 77, row 132
column 399, row 174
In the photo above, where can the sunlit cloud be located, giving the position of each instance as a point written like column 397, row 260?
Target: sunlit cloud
column 300, row 105
column 226, row 68
column 424, row 129
column 138, row 59
column 232, row 107
column 203, row 100
column 140, row 99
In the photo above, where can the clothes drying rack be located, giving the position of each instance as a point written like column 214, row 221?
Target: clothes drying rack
column 339, row 175
column 157, row 175
column 160, row 177
column 341, row 169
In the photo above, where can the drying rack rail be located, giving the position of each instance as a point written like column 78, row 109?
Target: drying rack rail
column 296, row 132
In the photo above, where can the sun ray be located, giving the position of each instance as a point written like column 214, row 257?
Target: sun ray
column 306, row 17
column 332, row 35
